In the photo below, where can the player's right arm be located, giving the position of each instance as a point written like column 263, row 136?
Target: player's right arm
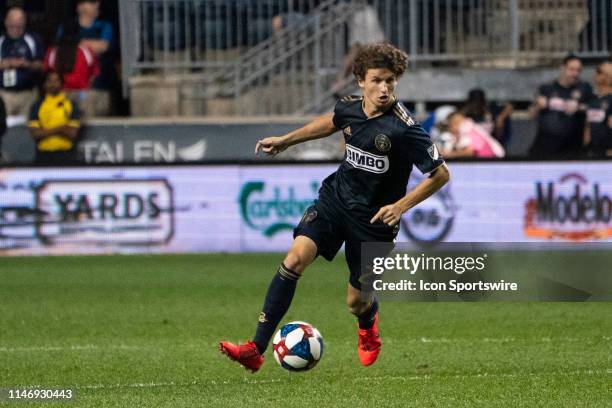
column 320, row 127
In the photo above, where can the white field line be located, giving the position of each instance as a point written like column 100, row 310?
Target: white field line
column 84, row 347
column 175, row 384
column 511, row 339
column 93, row 347
column 384, row 378
column 607, row 371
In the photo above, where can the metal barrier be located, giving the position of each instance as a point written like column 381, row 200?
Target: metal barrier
column 290, row 56
column 173, row 34
column 506, row 33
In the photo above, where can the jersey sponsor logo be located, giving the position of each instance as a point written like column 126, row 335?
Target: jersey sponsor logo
column 596, row 115
column 383, row 143
column 570, row 209
column 366, row 161
column 557, row 104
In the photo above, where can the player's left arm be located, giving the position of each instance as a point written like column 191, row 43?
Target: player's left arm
column 391, row 214
column 419, row 150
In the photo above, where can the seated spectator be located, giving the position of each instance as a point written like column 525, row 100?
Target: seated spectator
column 468, row 139
column 494, row 118
column 76, row 64
column 21, row 57
column 54, row 123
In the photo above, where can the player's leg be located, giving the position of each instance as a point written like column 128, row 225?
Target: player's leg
column 363, row 304
column 278, row 299
column 282, row 288
column 315, row 235
column 360, row 295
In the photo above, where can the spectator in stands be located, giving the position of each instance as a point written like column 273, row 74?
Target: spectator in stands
column 494, row 118
column 96, row 35
column 598, row 132
column 440, row 135
column 54, row 123
column 21, row 57
column 78, row 66
column 560, row 111
column 470, row 139
column 364, row 28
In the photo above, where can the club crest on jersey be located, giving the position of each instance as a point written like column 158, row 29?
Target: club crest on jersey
column 433, row 152
column 347, row 130
column 366, row 161
column 383, row 143
column 576, row 94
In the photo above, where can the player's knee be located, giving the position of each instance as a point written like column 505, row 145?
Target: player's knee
column 295, row 261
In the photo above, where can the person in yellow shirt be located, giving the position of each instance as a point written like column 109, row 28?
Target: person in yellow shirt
column 54, row 123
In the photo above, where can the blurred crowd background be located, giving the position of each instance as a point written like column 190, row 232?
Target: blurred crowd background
column 488, row 78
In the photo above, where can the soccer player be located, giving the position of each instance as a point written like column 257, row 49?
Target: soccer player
column 361, row 202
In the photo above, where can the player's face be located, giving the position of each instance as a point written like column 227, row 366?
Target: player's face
column 378, row 87
column 570, row 72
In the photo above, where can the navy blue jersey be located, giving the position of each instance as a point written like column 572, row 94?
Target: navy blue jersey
column 380, row 153
column 28, row 47
column 558, row 131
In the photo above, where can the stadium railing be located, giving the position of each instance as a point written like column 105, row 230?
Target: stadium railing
column 232, row 47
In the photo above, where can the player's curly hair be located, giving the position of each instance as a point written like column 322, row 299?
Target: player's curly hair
column 381, row 55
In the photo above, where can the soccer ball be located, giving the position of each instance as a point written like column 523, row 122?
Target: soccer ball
column 298, row 346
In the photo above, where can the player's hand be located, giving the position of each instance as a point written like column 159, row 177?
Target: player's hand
column 389, row 214
column 271, row 145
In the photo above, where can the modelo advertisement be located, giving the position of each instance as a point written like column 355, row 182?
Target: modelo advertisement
column 233, row 208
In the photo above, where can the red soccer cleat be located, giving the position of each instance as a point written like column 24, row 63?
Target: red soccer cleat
column 369, row 344
column 246, row 354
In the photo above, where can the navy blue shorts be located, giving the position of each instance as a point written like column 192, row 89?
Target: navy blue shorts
column 330, row 228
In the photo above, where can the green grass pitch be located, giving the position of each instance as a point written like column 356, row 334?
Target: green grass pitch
column 142, row 331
